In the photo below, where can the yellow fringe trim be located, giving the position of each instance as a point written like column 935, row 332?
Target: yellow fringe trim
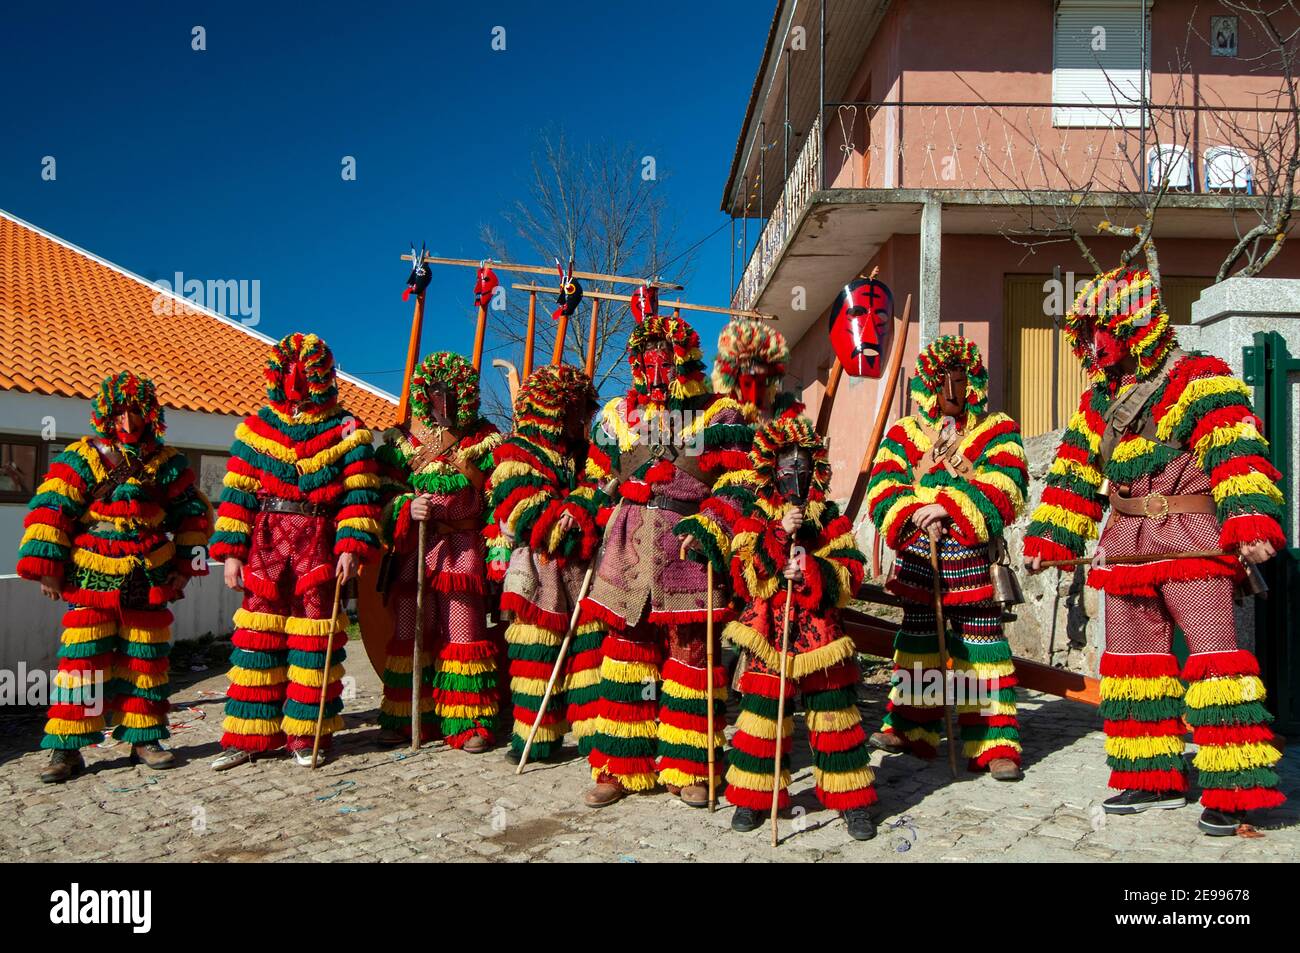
column 55, row 485
column 60, row 726
column 1224, row 691
column 678, row 778
column 227, row 524
column 336, row 452
column 584, row 679
column 525, row 633
column 628, row 672
column 272, row 448
column 528, row 686
column 258, row 621
column 467, row 712
column 1133, row 749
column 1141, row 689
column 72, row 680
column 131, row 719
column 985, row 670
column 46, row 534
column 678, row 690
column 1236, row 757
column 927, row 735
column 146, row 636
column 89, row 633
column 553, row 732
column 122, row 565
column 839, row 720
column 301, row 727
column 403, row 709
column 362, row 481
column 627, row 729
column 633, row 782
column 1245, row 483
column 251, row 726
column 973, row 749
column 141, row 680
column 763, row 728
column 1194, row 391
column 671, row 734
column 241, row 481
column 838, row 782
column 297, row 625
column 469, row 667
column 750, row 781
column 312, row 677
column 972, row 515
column 362, row 524
column 1059, row 516
column 257, row 677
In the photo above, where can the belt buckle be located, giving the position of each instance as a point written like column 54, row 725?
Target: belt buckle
column 1146, row 506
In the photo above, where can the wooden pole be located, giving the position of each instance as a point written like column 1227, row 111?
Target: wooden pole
column 780, row 703
column 828, row 398
column 1137, row 560
column 708, row 682
column 677, row 306
column 546, row 270
column 557, row 667
column 325, row 672
column 531, row 335
column 479, row 333
column 412, row 356
column 950, row 723
column 561, row 331
column 591, row 340
column 417, row 670
column 882, row 415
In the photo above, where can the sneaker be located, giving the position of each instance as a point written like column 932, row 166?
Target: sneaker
column 302, row 757
column 746, row 819
column 1135, row 802
column 231, row 757
column 63, row 764
column 1220, row 823
column 859, row 823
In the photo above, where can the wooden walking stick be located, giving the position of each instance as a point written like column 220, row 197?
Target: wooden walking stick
column 557, row 667
column 417, row 670
column 780, row 702
column 325, row 672
column 591, row 339
column 941, row 628
column 530, row 336
column 708, row 675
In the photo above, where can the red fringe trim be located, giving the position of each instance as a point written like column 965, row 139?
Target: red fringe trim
column 260, row 587
column 626, row 650
column 695, row 679
column 612, row 766
column 595, row 612
column 925, row 596
column 668, row 617
column 1241, row 799
column 34, row 567
column 628, row 712
column 256, row 641
column 1039, row 546
column 698, row 768
column 1142, row 580
column 468, row 651
column 256, row 693
column 1117, row 665
column 1001, row 751
column 759, row 747
column 140, row 706
column 837, row 676
column 1246, row 529
column 255, row 742
column 765, row 686
column 317, row 577
column 1148, row 780
column 82, row 617
column 844, row 800
column 310, row 694
column 757, row 800
column 526, row 611
column 1128, row 728
column 1219, row 664
column 1232, row 734
column 687, row 721
column 831, row 741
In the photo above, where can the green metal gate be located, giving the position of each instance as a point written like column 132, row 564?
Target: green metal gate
column 1268, row 367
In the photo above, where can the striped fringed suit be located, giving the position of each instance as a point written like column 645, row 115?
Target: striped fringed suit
column 112, row 558
column 323, row 460
column 652, row 704
column 530, row 484
column 820, row 665
column 1206, row 444
column 460, row 697
column 979, row 507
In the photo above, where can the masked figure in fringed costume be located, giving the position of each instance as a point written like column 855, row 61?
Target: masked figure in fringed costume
column 668, row 441
column 750, row 369
column 300, row 508
column 436, row 472
column 959, row 473
column 1167, row 440
column 537, row 467
column 116, row 529
column 793, row 477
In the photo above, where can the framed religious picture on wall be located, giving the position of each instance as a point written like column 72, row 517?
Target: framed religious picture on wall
column 1223, row 36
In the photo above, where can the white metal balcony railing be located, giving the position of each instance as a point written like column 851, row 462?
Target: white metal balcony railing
column 1014, row 148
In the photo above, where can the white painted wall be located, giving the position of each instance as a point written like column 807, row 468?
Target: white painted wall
column 30, row 623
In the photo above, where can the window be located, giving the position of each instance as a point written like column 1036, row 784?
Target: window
column 209, row 470
column 22, row 464
column 1096, row 58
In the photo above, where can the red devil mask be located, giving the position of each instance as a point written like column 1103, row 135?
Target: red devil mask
column 751, row 387
column 484, row 286
column 645, row 301
column 130, row 426
column 295, row 383
column 658, row 365
column 861, row 320
column 1108, row 349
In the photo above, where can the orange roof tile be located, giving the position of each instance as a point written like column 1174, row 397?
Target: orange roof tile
column 69, row 319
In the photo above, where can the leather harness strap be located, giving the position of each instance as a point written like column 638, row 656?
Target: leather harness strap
column 435, row 445
column 942, row 453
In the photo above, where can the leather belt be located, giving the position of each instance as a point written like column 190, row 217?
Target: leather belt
column 673, row 505
column 1156, row 506
column 278, row 504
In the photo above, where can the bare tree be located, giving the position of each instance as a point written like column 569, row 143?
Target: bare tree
column 597, row 206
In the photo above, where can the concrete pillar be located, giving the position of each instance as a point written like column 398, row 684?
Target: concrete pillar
column 931, row 239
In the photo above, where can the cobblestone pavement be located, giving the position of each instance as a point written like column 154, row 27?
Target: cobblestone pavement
column 444, row 805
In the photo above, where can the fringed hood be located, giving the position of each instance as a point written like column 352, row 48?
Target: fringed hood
column 456, row 373
column 122, row 392
column 688, row 386
column 546, row 396
column 318, row 370
column 1127, row 303
column 778, row 435
column 949, row 351
column 747, row 342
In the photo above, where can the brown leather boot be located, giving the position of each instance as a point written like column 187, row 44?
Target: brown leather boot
column 390, row 738
column 604, row 794
column 476, row 744
column 887, row 742
column 62, row 765
column 1004, row 769
column 693, row 795
column 153, row 755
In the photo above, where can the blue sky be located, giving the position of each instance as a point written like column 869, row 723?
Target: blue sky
column 226, row 163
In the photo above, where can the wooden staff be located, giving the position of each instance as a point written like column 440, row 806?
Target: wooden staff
column 412, row 356
column 591, row 340
column 531, row 334
column 557, row 667
column 780, row 702
column 882, row 415
column 949, row 721
column 561, row 329
column 1136, row 560
column 325, row 673
column 480, row 331
column 708, row 673
column 421, row 538
column 828, row 398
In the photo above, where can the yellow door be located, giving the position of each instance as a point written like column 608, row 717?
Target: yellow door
column 1044, row 379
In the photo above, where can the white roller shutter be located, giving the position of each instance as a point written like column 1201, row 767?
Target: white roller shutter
column 1096, row 58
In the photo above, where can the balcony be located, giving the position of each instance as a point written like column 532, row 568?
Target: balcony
column 1015, row 156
